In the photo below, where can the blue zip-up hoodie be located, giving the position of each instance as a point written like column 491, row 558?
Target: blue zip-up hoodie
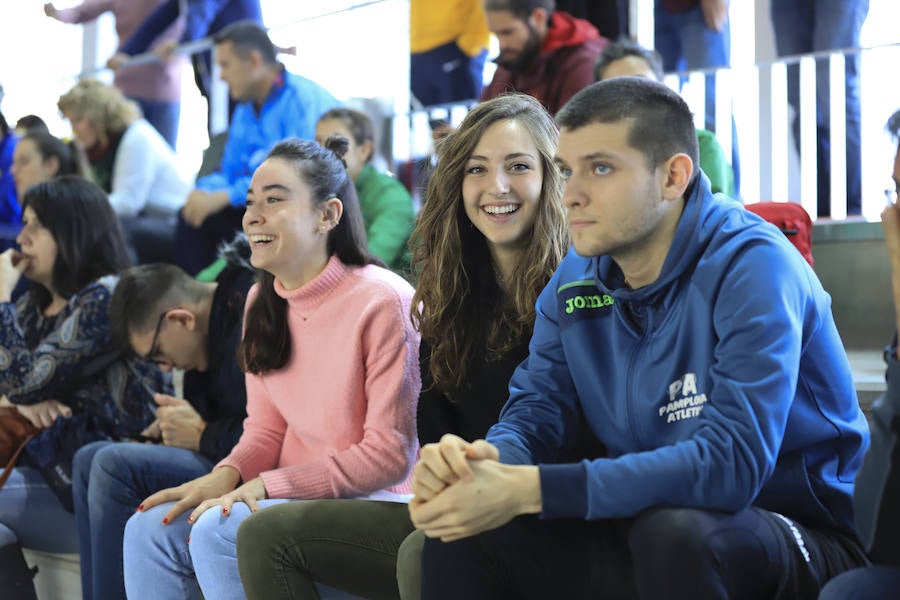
column 291, row 110
column 722, row 384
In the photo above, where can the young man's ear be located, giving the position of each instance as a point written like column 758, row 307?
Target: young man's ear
column 540, row 20
column 678, row 171
column 184, row 316
column 255, row 58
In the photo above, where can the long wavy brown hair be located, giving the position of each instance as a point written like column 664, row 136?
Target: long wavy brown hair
column 460, row 308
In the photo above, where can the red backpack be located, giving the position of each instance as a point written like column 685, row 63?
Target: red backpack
column 792, row 219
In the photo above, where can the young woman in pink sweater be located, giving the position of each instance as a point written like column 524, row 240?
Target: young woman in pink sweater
column 332, row 381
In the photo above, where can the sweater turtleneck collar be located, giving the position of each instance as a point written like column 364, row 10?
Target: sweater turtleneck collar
column 309, row 295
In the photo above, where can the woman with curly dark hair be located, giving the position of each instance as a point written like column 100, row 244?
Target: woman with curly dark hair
column 488, row 238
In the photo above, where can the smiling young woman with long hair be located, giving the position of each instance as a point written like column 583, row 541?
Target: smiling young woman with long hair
column 330, row 357
column 487, row 240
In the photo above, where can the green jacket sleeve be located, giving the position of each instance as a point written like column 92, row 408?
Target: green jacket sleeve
column 388, row 214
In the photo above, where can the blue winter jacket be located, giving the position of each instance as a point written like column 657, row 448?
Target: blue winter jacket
column 291, row 110
column 722, row 384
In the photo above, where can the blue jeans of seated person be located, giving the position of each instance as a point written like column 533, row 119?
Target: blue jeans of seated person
column 109, row 481
column 803, row 26
column 31, row 514
column 671, row 553
column 163, row 116
column 159, row 562
column 685, row 42
column 872, row 582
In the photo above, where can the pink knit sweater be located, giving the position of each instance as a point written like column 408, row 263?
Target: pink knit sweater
column 338, row 420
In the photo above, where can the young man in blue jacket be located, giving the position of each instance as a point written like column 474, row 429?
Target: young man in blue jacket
column 699, row 347
column 272, row 105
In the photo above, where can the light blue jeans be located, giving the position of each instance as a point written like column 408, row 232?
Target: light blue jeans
column 109, row 480
column 160, row 563
column 31, row 514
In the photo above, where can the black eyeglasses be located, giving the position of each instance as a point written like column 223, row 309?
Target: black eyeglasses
column 151, row 354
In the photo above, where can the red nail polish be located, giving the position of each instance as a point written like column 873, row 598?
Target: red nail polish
column 165, row 521
column 141, row 507
column 189, row 540
column 224, row 511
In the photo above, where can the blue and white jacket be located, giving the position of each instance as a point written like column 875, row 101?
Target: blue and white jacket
column 721, row 385
column 291, row 110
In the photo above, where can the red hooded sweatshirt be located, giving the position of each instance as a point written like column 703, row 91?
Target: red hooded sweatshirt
column 564, row 65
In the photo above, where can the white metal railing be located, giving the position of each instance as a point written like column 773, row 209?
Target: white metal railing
column 757, row 96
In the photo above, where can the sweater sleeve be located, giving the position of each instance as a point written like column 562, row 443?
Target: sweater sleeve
column 28, row 376
column 259, row 446
column 84, row 12
column 385, row 454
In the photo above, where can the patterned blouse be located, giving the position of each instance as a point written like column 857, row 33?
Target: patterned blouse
column 69, row 357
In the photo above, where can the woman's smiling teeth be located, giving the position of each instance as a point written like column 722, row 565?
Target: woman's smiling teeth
column 501, row 209
column 259, row 238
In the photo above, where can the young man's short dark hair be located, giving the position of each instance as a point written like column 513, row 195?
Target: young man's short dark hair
column 143, row 293
column 624, row 49
column 247, row 36
column 661, row 122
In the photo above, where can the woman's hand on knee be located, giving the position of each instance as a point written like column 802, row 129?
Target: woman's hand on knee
column 248, row 493
column 212, row 485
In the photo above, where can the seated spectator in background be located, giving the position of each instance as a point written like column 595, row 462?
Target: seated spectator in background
column 40, row 157
column 332, row 379
column 544, row 53
column 386, row 206
column 155, row 86
column 202, row 18
column 485, row 243
column 698, row 345
column 10, row 212
column 448, row 44
column 627, row 58
column 131, row 161
column 877, row 497
column 31, row 124
column 273, row 105
column 60, row 368
column 160, row 312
